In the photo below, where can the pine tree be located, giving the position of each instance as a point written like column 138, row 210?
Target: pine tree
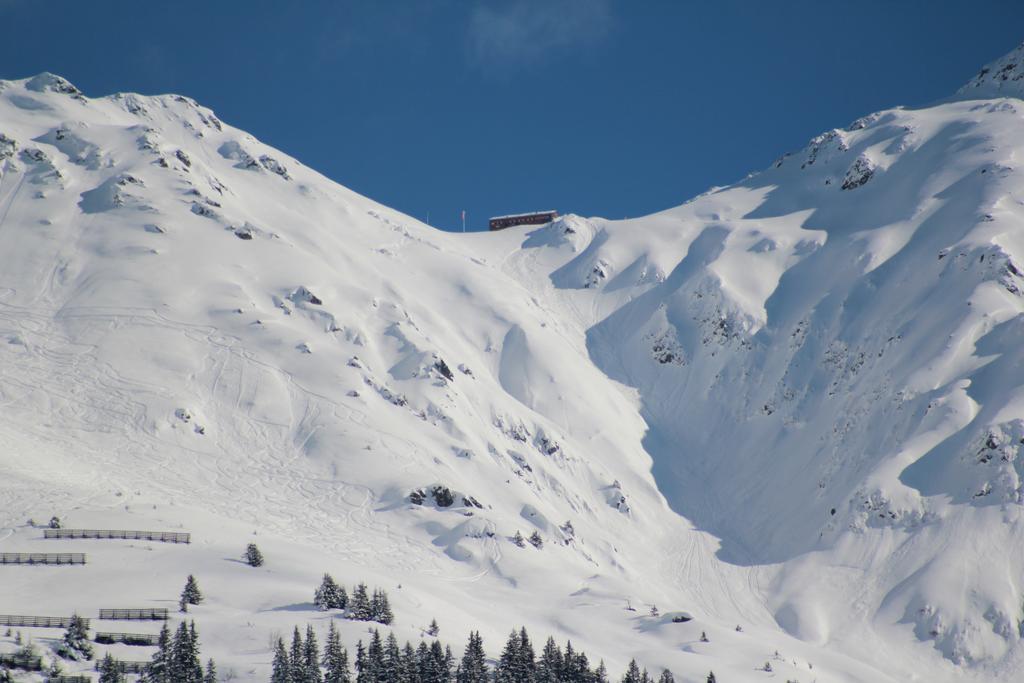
column 362, row 668
column 183, row 665
column 360, row 607
column 391, row 660
column 711, row 677
column 581, row 669
column 518, row 539
column 158, row 669
column 384, row 613
column 281, row 672
column 311, row 662
column 253, row 556
column 335, row 658
column 505, row 672
column 526, row 664
column 703, row 637
column 110, row 670
column 195, row 664
column 374, row 658
column 550, row 665
column 211, row 672
column 601, row 673
column 569, row 663
column 438, row 669
column 433, row 629
column 536, row 541
column 633, row 674
column 424, row 669
column 328, row 595
column 409, row 672
column 666, row 677
column 297, row 659
column 54, row 671
column 191, row 595
column 473, row 668
column 76, row 640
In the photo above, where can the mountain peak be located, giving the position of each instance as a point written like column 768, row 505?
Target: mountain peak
column 1002, row 78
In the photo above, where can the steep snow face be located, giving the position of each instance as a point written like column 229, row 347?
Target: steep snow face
column 793, row 403
column 1002, row 78
column 828, row 364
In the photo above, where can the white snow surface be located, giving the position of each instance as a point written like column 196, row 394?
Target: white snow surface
column 794, row 404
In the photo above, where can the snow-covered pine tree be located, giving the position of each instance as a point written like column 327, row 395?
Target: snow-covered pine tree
column 570, row 663
column 110, row 670
column 363, row 673
column 550, row 664
column 281, row 668
column 526, row 664
column 703, row 637
column 409, row 671
column 536, row 541
column 183, row 665
column 157, row 671
column 297, row 659
column 433, row 629
column 391, row 660
column 311, row 653
column 211, row 672
column 518, row 539
column 666, row 677
column 76, row 640
column 335, row 658
column 359, row 608
column 440, row 664
column 505, row 672
column 633, row 674
column 375, row 656
column 253, row 556
column 191, row 594
column 577, row 667
column 328, row 594
column 195, row 663
column 473, row 667
column 384, row 614
column 601, row 673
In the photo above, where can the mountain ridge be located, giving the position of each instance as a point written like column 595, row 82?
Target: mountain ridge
column 794, row 393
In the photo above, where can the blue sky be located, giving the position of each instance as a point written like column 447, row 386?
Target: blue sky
column 596, row 107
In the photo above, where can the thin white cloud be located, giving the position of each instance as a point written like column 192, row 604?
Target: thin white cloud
column 516, row 32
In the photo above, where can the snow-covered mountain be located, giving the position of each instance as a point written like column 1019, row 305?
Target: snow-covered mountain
column 794, row 404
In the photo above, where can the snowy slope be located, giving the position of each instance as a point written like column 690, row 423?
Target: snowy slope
column 793, row 403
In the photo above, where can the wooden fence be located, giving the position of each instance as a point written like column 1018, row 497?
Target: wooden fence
column 38, row 622
column 108, row 638
column 62, row 678
column 22, row 661
column 163, row 536
column 42, row 558
column 143, row 614
column 127, row 667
